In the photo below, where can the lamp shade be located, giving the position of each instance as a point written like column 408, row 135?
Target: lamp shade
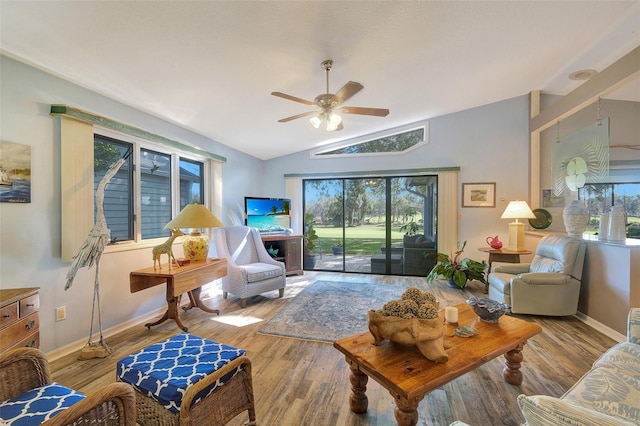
column 195, row 216
column 518, row 210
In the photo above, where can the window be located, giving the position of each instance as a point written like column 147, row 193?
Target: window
column 391, row 144
column 146, row 184
column 599, row 197
column 191, row 187
column 118, row 195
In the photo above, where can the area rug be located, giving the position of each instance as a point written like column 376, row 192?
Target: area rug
column 326, row 311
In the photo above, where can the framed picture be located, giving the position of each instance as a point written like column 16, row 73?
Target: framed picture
column 479, row 194
column 15, row 173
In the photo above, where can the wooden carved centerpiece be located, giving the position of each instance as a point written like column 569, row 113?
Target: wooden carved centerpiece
column 412, row 321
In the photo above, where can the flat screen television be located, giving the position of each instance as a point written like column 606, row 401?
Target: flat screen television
column 268, row 214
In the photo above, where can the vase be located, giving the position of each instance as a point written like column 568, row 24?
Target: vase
column 603, row 227
column 617, row 224
column 576, row 218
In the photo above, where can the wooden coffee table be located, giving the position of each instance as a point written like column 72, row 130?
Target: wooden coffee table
column 409, row 376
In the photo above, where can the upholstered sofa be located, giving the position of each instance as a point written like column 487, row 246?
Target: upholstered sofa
column 607, row 395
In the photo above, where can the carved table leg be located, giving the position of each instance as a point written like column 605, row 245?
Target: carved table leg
column 511, row 371
column 406, row 412
column 194, row 298
column 358, row 400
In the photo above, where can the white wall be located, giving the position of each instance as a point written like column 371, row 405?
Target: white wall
column 489, row 143
column 30, row 233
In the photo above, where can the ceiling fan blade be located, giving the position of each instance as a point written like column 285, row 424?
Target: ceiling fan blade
column 293, row 117
column 292, row 98
column 379, row 112
column 347, row 91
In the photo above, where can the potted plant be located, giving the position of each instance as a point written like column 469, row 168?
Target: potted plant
column 337, row 248
column 456, row 271
column 411, row 232
column 309, row 258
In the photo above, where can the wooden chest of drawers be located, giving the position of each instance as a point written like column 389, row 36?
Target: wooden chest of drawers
column 19, row 318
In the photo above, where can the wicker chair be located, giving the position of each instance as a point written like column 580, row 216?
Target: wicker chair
column 25, row 369
column 250, row 269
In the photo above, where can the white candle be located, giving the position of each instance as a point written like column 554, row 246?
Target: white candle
column 451, row 314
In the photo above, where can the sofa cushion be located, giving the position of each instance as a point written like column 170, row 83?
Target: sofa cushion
column 38, row 405
column 624, row 357
column 608, row 391
column 163, row 371
column 542, row 410
column 261, row 271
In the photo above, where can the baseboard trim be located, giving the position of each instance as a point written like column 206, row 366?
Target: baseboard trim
column 601, row 327
column 79, row 344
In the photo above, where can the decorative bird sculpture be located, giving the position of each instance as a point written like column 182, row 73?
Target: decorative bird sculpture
column 88, row 255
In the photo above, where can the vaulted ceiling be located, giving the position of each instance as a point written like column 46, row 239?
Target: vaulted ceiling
column 210, row 66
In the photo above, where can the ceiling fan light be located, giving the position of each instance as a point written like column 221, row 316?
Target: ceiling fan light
column 331, row 126
column 335, row 119
column 316, row 121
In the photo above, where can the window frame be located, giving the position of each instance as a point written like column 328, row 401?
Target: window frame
column 175, row 155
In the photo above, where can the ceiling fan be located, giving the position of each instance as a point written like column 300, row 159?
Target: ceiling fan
column 330, row 105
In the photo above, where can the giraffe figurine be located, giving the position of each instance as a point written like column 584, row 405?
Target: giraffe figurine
column 166, row 248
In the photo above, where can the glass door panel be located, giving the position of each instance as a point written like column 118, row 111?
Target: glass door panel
column 381, row 225
column 413, row 201
column 323, row 208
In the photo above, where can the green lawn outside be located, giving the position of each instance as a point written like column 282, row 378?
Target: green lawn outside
column 364, row 239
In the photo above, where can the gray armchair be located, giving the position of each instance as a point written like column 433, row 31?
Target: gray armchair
column 250, row 269
column 549, row 285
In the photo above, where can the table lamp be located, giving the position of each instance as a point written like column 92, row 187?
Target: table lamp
column 195, row 216
column 517, row 210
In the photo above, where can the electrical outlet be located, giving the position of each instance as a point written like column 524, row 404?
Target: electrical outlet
column 61, row 313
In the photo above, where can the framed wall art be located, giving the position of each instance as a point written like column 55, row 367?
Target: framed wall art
column 15, row 173
column 479, row 194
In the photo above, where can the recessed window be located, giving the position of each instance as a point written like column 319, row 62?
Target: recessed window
column 396, row 143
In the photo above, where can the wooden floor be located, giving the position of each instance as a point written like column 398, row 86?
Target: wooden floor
column 300, row 382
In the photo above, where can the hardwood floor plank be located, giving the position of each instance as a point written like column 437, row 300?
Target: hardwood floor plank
column 299, row 382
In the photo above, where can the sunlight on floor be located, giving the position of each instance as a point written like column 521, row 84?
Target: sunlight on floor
column 237, row 320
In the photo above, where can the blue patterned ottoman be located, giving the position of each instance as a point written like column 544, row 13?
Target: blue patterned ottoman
column 188, row 380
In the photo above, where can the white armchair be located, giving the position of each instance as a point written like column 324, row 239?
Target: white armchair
column 549, row 285
column 250, row 269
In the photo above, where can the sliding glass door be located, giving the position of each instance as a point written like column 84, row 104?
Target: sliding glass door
column 382, row 225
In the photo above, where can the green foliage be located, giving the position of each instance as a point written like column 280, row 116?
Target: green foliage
column 460, row 271
column 410, row 228
column 105, row 154
column 309, row 235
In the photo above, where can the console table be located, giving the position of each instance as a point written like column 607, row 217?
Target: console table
column 188, row 278
column 289, row 251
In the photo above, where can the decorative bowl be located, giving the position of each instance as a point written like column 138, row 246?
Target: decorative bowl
column 488, row 310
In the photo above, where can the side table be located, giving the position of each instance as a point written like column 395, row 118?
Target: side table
column 179, row 279
column 502, row 255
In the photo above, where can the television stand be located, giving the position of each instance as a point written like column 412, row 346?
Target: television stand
column 289, row 251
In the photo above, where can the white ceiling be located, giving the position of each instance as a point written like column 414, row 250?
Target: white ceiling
column 210, row 66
